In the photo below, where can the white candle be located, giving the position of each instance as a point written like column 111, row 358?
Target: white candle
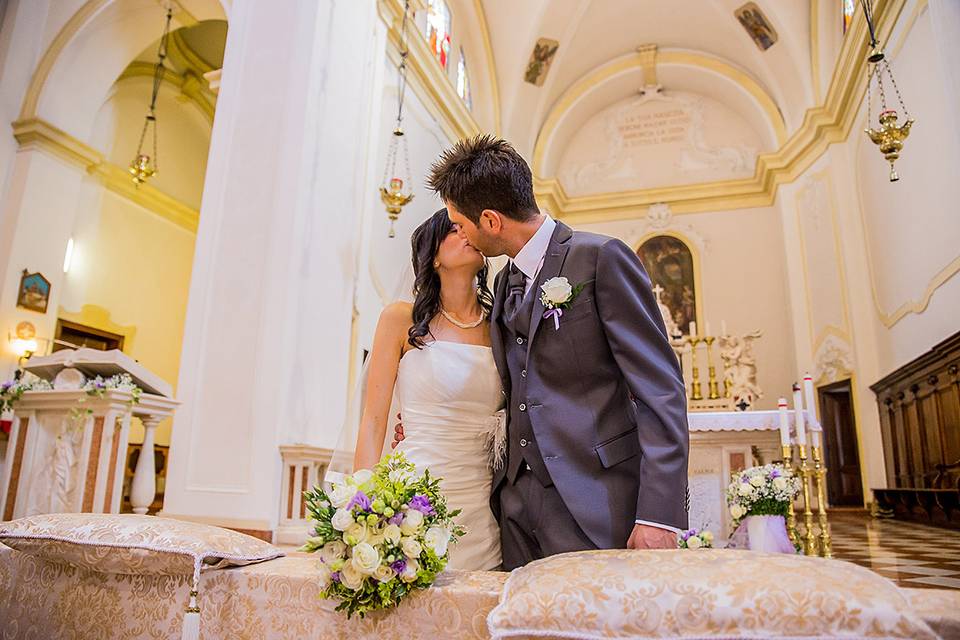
column 723, row 327
column 809, row 398
column 784, row 423
column 798, row 416
column 693, row 328
column 815, row 435
column 708, row 329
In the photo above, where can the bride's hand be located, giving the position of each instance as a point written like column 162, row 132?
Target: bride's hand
column 397, row 433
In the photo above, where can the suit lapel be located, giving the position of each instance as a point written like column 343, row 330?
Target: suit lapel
column 552, row 265
column 496, row 331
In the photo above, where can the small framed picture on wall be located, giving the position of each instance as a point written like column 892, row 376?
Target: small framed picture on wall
column 34, row 292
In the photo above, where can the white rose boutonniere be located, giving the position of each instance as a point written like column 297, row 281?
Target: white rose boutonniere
column 556, row 295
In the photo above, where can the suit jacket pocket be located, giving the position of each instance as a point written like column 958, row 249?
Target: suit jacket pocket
column 616, row 450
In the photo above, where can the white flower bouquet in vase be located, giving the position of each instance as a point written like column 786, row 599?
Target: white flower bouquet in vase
column 759, row 499
column 381, row 535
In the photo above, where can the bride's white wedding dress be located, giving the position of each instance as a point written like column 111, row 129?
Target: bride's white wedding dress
column 449, row 394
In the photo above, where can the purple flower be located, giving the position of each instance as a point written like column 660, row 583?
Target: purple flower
column 335, row 576
column 399, row 566
column 775, row 473
column 396, row 518
column 422, row 504
column 359, row 499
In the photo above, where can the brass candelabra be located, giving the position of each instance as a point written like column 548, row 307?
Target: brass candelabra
column 809, row 540
column 791, row 515
column 714, row 392
column 695, row 392
column 820, row 478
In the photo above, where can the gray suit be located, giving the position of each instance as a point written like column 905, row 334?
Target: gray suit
column 597, row 419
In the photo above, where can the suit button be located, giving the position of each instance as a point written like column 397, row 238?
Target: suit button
column 523, row 374
column 519, row 340
column 523, row 407
column 523, row 442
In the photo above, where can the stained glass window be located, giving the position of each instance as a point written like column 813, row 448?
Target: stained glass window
column 438, row 30
column 848, row 8
column 463, row 81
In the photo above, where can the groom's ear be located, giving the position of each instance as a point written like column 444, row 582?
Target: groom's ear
column 491, row 220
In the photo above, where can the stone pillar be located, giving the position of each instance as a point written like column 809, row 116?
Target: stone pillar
column 143, row 489
column 267, row 334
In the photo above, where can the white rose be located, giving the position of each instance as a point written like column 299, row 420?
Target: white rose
column 745, row 489
column 557, row 290
column 757, row 481
column 341, row 494
column 366, row 558
column 341, row 520
column 412, row 520
column 351, row 577
column 780, row 484
column 410, row 571
column 333, row 550
column 361, row 477
column 411, row 548
column 357, row 531
column 437, row 539
column 324, row 574
column 737, row 511
column 694, row 542
column 384, row 573
column 707, row 536
column 392, row 534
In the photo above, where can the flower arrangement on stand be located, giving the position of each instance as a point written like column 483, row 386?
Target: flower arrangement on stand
column 12, row 390
column 380, row 534
column 695, row 539
column 759, row 499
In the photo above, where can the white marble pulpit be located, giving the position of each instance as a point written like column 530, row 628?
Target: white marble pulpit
column 723, row 443
column 67, row 449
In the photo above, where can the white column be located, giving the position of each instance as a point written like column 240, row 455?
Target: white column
column 267, row 333
column 144, row 487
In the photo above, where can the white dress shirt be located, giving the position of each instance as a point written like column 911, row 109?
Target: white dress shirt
column 529, row 260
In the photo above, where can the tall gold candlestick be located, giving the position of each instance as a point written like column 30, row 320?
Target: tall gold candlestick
column 695, row 393
column 820, row 477
column 712, row 384
column 791, row 515
column 809, row 541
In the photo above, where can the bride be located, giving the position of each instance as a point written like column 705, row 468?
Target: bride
column 435, row 355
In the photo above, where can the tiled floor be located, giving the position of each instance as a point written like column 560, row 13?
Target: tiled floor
column 913, row 555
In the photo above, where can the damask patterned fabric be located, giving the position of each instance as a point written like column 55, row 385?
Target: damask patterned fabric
column 278, row 599
column 940, row 608
column 701, row 594
column 132, row 544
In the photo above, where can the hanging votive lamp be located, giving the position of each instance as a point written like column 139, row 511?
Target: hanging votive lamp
column 891, row 133
column 395, row 191
column 143, row 167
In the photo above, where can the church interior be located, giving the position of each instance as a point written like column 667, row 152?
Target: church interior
column 217, row 195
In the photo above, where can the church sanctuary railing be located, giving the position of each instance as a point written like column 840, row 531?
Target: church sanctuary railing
column 303, row 467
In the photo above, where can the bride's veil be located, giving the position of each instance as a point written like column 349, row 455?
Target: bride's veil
column 341, row 460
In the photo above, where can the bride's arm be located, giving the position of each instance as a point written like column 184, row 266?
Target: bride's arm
column 388, row 344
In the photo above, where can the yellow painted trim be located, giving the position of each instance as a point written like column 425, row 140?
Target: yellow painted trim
column 639, row 60
column 491, row 65
column 189, row 86
column 426, row 78
column 39, row 134
column 95, row 316
column 815, row 49
column 697, row 269
column 919, row 303
column 822, row 126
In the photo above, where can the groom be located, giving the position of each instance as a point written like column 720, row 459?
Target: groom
column 597, row 425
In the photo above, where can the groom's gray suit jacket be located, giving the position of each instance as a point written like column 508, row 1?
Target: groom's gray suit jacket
column 604, row 393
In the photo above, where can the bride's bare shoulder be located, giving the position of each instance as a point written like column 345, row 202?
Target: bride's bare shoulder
column 397, row 314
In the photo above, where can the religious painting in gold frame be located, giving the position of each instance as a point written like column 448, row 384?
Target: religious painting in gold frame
column 34, row 292
column 672, row 265
column 540, row 60
column 758, row 27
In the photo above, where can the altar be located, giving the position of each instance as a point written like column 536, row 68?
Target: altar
column 722, row 443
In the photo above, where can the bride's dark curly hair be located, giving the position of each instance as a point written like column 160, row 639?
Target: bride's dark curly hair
column 425, row 243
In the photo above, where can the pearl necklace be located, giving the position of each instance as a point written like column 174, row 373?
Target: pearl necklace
column 462, row 325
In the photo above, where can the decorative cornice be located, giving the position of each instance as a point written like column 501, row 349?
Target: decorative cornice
column 188, row 84
column 41, row 135
column 822, row 126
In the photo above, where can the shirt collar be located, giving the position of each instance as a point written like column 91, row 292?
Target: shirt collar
column 530, row 257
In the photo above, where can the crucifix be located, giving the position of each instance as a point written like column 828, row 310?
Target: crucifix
column 657, row 290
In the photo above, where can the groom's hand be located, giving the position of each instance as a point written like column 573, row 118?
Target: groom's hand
column 397, row 434
column 647, row 537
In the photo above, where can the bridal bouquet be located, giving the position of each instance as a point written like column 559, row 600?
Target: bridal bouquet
column 762, row 491
column 381, row 535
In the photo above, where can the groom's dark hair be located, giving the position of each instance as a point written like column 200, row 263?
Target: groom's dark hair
column 484, row 172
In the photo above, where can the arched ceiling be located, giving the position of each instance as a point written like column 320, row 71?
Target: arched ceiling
column 593, row 33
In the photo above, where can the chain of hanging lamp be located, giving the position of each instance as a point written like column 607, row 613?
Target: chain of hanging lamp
column 145, row 166
column 392, row 192
column 889, row 136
